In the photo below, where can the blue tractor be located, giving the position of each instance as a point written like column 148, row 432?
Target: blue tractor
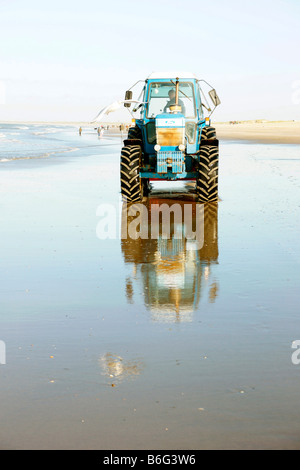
column 172, row 138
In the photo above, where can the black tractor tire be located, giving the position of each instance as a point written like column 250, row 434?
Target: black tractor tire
column 208, row 133
column 131, row 183
column 208, row 170
column 134, row 133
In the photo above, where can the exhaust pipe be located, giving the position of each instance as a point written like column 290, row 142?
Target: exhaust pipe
column 177, row 92
column 176, row 108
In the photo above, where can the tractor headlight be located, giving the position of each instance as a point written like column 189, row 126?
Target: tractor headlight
column 157, row 148
column 181, row 147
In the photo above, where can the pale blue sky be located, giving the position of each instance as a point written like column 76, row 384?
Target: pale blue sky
column 65, row 60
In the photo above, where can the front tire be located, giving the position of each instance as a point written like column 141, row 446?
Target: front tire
column 131, row 186
column 208, row 170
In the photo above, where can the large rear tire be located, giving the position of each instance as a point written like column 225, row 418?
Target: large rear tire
column 134, row 133
column 131, row 184
column 208, row 170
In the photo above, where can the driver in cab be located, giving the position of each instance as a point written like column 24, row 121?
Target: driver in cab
column 172, row 101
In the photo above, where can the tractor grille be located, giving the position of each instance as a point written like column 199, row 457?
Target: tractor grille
column 170, row 136
column 174, row 160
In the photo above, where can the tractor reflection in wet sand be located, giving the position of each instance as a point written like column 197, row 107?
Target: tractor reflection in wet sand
column 173, row 273
column 172, row 139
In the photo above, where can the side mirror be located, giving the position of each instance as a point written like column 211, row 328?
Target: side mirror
column 128, row 96
column 214, row 97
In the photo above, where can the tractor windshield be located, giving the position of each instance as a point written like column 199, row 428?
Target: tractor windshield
column 162, row 96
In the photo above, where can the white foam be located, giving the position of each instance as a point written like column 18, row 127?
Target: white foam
column 4, row 138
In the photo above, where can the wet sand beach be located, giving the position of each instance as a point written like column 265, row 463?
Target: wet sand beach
column 261, row 131
column 147, row 344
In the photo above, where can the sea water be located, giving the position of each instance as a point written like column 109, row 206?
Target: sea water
column 19, row 142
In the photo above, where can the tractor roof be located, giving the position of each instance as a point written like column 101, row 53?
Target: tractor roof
column 173, row 75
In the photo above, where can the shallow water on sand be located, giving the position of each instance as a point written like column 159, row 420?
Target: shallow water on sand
column 149, row 344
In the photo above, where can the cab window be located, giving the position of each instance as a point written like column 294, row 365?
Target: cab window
column 161, row 95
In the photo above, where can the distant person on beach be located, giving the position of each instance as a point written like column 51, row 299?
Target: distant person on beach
column 80, row 130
